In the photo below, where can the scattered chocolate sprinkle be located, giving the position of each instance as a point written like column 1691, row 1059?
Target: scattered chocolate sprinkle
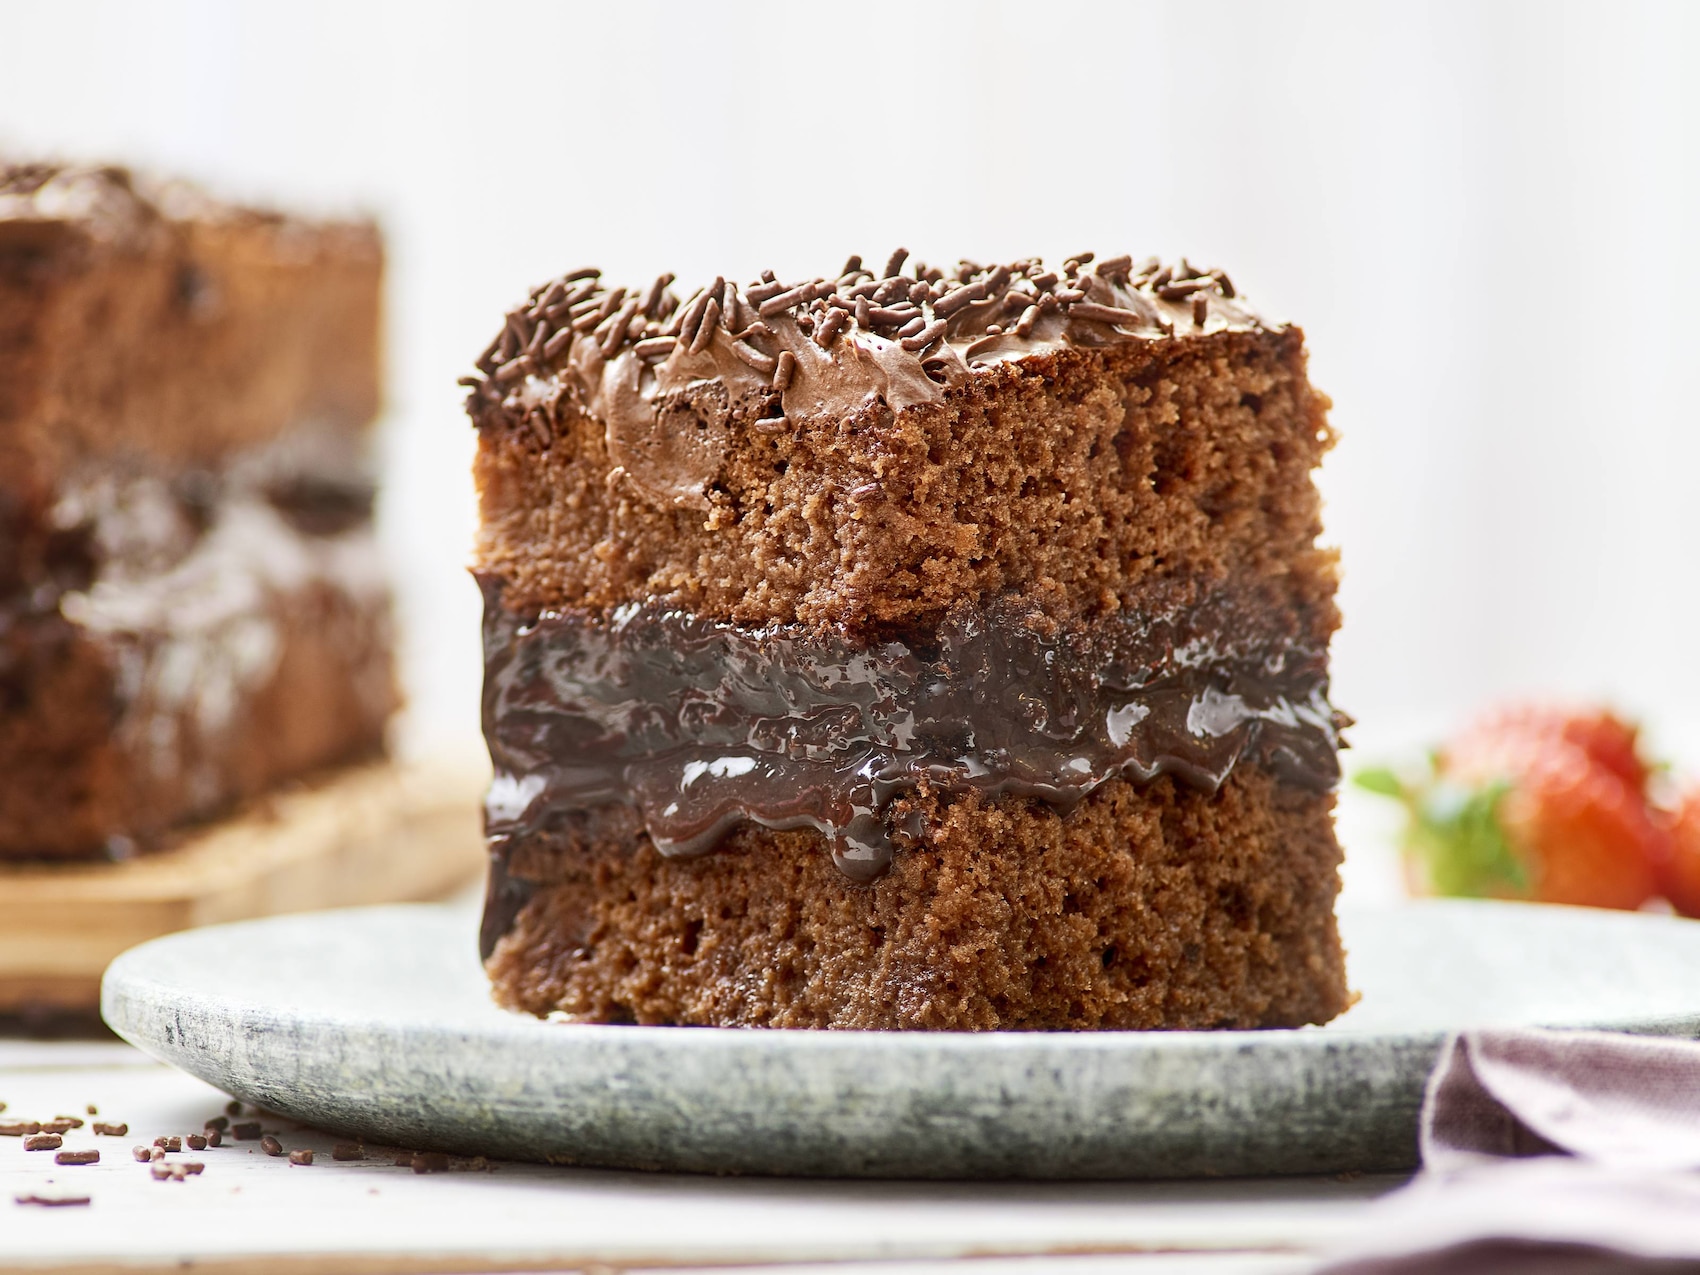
column 764, row 363
column 1200, row 309
column 557, row 345
column 1105, row 314
column 652, row 299
column 103, row 1129
column 781, row 301
column 895, row 263
column 20, row 1128
column 196, row 1142
column 925, row 337
column 92, row 1109
column 43, row 1142
column 142, row 1154
column 771, row 425
column 551, row 295
column 891, row 289
column 156, row 1153
column 51, row 1201
column 303, row 1156
column 656, row 347
column 348, row 1151
column 610, row 303
column 513, row 370
column 169, row 1144
column 430, row 1162
column 404, row 1160
column 534, row 347
column 191, row 1167
column 864, row 313
column 246, row 1131
column 271, row 1146
column 215, row 1137
column 834, row 323
column 784, row 370
column 617, row 331
column 77, row 1157
column 218, row 1122
column 955, row 299
column 166, row 1173
column 1181, row 291
column 1024, row 325
column 1116, row 267
column 705, row 329
column 61, row 1124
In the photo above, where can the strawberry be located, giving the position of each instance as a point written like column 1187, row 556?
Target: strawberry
column 1607, row 738
column 1520, row 807
column 1681, row 875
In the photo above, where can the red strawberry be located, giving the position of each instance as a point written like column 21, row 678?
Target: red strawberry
column 1681, row 875
column 1606, row 738
column 1526, row 812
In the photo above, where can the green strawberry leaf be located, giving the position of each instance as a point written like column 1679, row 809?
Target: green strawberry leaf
column 1455, row 831
column 1380, row 780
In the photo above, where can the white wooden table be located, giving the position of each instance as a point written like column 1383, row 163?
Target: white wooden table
column 256, row 1213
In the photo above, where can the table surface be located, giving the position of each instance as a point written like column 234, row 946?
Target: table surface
column 254, row 1212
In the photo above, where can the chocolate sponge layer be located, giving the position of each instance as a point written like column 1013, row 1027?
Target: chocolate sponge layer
column 1081, row 481
column 1145, row 907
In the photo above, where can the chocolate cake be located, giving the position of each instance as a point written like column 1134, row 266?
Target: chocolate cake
column 908, row 649
column 191, row 605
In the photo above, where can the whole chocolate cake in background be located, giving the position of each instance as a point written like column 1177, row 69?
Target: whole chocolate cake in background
column 908, row 648
column 191, row 601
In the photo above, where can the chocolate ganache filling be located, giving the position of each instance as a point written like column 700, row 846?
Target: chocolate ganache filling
column 701, row 725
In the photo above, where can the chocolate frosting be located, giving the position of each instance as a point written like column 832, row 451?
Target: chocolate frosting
column 665, row 377
column 701, row 725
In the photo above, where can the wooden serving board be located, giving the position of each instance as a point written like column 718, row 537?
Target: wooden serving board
column 379, row 833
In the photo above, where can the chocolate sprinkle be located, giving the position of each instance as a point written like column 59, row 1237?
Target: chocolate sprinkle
column 303, row 1156
column 110, row 1130
column 77, row 1157
column 270, row 1145
column 51, row 1201
column 43, row 1142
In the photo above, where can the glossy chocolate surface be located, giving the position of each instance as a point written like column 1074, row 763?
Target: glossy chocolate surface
column 700, row 725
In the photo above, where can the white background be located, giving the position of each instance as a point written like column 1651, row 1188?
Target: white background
column 1486, row 217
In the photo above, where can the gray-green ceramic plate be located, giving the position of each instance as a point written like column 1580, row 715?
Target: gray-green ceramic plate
column 377, row 1022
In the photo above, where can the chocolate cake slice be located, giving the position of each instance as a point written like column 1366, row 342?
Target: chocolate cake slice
column 191, row 601
column 908, row 649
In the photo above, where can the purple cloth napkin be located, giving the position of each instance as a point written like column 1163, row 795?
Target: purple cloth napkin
column 1548, row 1151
